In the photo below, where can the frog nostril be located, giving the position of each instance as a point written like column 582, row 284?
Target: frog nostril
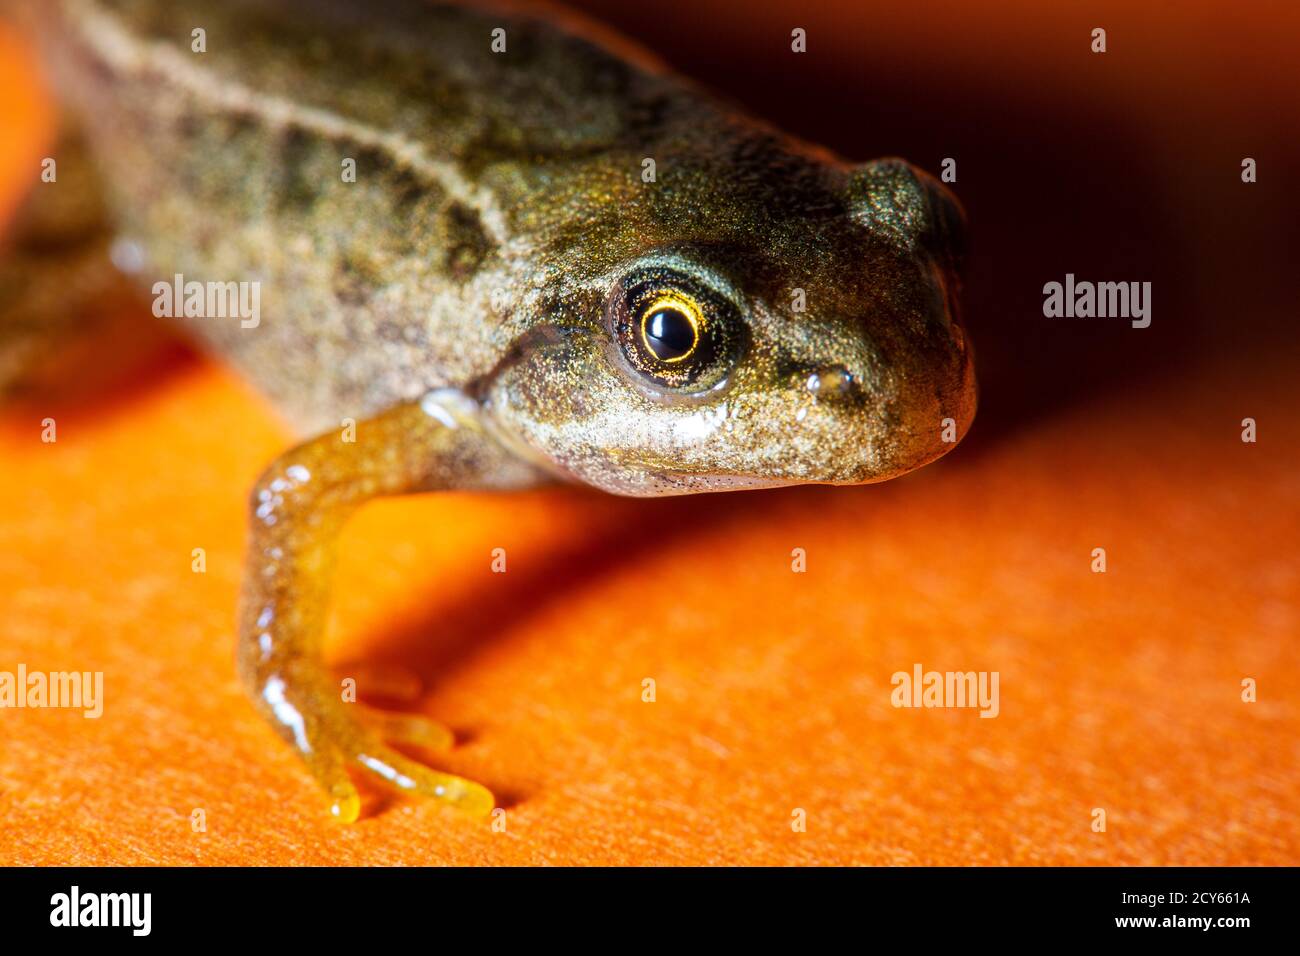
column 830, row 382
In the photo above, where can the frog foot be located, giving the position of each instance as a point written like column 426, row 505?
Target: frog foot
column 297, row 509
column 333, row 737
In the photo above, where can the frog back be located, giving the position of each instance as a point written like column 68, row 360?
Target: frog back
column 376, row 171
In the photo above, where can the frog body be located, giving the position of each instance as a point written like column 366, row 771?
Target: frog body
column 512, row 248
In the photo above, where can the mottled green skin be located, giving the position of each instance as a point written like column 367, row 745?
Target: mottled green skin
column 499, row 199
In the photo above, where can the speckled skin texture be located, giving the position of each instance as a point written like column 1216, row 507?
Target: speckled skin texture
column 472, row 302
column 498, row 193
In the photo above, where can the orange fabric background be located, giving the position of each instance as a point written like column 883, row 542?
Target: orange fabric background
column 1118, row 690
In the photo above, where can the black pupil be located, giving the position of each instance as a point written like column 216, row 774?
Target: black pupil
column 669, row 334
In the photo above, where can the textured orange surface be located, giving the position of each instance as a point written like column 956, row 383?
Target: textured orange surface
column 1118, row 690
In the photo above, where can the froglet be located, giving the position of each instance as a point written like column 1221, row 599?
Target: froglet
column 509, row 248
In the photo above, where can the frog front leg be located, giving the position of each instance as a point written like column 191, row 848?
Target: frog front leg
column 299, row 506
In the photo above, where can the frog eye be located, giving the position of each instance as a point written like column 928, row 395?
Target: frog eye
column 670, row 328
column 675, row 333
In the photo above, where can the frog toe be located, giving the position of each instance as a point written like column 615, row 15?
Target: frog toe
column 327, row 765
column 410, row 729
column 412, row 776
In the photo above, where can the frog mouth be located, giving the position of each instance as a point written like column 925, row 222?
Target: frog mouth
column 691, row 482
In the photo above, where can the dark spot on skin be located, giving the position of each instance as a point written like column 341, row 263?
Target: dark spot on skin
column 407, row 189
column 350, row 290
column 189, row 125
column 404, row 186
column 299, row 179
column 370, row 159
column 467, row 243
column 355, row 278
column 239, row 125
column 186, row 130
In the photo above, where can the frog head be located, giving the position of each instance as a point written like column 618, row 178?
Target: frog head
column 748, row 338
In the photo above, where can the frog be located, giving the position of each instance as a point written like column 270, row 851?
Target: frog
column 500, row 247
